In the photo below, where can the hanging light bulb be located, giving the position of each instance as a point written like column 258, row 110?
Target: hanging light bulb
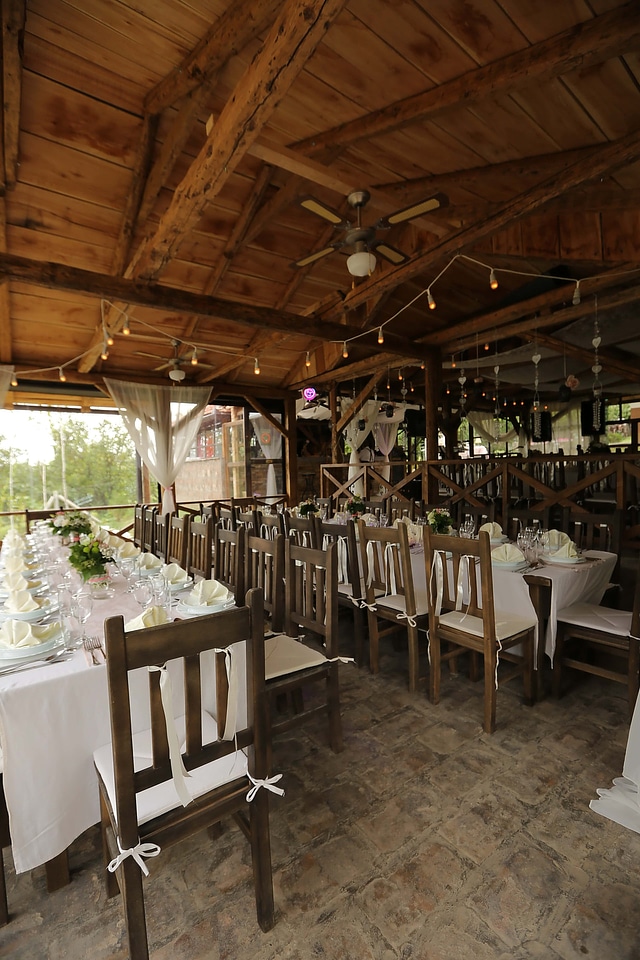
column 486, row 346
column 380, row 335
column 307, row 360
column 576, row 294
column 400, row 375
column 194, row 358
column 109, row 340
column 256, row 366
column 126, row 330
column 105, row 351
column 411, row 387
column 61, row 375
column 422, row 365
column 453, row 361
column 14, row 381
column 430, row 300
column 493, row 280
column 345, row 350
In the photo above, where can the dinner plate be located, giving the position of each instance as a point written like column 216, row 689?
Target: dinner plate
column 175, row 587
column 568, row 561
column 35, row 652
column 498, row 541
column 514, row 565
column 190, row 610
column 43, row 611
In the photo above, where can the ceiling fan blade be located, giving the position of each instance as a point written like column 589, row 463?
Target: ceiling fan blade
column 318, row 255
column 415, row 210
column 322, row 210
column 390, row 253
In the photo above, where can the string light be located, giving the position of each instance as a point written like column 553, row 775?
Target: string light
column 126, row 329
column 14, row 381
column 380, row 335
column 576, row 294
column 307, row 360
column 400, row 376
column 105, row 350
column 194, row 358
column 430, row 300
column 256, row 366
column 493, row 280
column 61, row 375
column 345, row 350
column 453, row 361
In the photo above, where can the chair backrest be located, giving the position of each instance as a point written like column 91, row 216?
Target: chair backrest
column 270, row 524
column 149, row 540
column 31, row 516
column 594, row 531
column 228, row 558
column 326, row 506
column 226, row 516
column 182, row 642
column 459, row 572
column 301, row 530
column 386, row 563
column 397, row 507
column 178, row 539
column 518, row 519
column 200, row 552
column 311, row 593
column 209, row 510
column 138, row 517
column 248, row 518
column 462, row 511
column 344, row 535
column 264, row 568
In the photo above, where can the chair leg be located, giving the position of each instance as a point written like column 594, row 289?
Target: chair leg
column 333, row 709
column 133, row 904
column 5, row 841
column 556, row 673
column 528, row 680
column 374, row 644
column 490, row 661
column 261, row 859
column 358, row 633
column 414, row 658
column 435, row 667
column 110, row 879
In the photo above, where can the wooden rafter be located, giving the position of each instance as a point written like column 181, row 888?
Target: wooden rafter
column 5, row 311
column 359, row 401
column 141, row 166
column 584, row 45
column 13, row 20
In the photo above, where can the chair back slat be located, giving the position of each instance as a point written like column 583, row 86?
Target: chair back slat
column 200, row 552
column 149, row 529
column 311, row 595
column 228, row 558
column 264, row 568
column 178, row 539
column 301, row 530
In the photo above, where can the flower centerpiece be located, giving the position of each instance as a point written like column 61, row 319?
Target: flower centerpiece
column 69, row 524
column 439, row 520
column 87, row 558
column 355, row 506
column 307, row 508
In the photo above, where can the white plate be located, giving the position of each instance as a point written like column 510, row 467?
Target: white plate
column 32, row 653
column 565, row 560
column 175, row 587
column 189, row 610
column 498, row 541
column 43, row 611
column 514, row 565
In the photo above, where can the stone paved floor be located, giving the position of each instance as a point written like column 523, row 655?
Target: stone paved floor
column 424, row 840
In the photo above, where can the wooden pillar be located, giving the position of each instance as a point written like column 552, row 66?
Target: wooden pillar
column 432, row 394
column 290, row 441
column 333, row 408
column 248, row 482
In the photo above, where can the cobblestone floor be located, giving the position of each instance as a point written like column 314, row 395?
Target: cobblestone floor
column 424, row 840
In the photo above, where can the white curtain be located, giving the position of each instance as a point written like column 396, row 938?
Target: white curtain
column 386, row 432
column 163, row 423
column 6, row 374
column 355, row 436
column 485, row 426
column 270, row 441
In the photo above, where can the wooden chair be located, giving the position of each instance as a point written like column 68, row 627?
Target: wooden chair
column 326, row 505
column 392, row 603
column 264, row 568
column 594, row 531
column 248, row 518
column 226, row 516
column 138, row 518
column 462, row 511
column 149, row 538
column 178, row 540
column 397, row 508
column 473, row 624
column 32, row 515
column 593, row 639
column 228, row 559
column 350, row 582
column 270, row 525
column 140, row 802
column 209, row 510
column 301, row 530
column 200, row 551
column 518, row 519
column 303, row 654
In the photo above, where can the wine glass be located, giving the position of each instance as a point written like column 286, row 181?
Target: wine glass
column 81, row 609
column 143, row 592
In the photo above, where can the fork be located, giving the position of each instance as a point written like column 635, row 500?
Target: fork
column 92, row 645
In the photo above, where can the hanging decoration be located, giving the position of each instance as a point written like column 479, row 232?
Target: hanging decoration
column 463, row 397
column 596, row 368
column 536, row 416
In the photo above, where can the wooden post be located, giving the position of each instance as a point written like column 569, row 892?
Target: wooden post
column 333, row 407
column 432, row 391
column 248, row 482
column 290, row 440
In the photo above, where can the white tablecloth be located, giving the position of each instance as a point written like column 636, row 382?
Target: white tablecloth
column 51, row 720
column 621, row 801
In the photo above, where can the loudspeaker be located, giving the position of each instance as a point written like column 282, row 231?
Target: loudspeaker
column 590, row 410
column 541, row 426
column 416, row 421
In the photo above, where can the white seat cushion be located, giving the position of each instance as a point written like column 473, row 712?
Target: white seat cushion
column 594, row 617
column 505, row 626
column 283, row 655
column 163, row 798
column 396, row 601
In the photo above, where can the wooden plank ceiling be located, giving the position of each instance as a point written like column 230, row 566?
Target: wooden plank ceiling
column 155, row 154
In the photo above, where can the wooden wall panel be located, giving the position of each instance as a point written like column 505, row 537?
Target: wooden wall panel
column 620, row 233
column 580, row 237
column 508, row 241
column 540, row 237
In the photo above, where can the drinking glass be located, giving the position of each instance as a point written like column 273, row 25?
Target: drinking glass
column 81, row 608
column 143, row 592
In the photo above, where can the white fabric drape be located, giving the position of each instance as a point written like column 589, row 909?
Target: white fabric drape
column 163, row 423
column 385, row 433
column 485, row 427
column 355, row 436
column 6, row 374
column 270, row 441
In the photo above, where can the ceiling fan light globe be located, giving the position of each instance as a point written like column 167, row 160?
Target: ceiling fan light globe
column 177, row 374
column 361, row 264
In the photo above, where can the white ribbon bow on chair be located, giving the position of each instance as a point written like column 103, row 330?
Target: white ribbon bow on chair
column 268, row 784
column 138, row 852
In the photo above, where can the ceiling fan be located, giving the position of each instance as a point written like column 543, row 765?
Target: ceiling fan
column 175, row 363
column 362, row 262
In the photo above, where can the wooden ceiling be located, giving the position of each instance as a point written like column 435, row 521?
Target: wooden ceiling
column 155, row 153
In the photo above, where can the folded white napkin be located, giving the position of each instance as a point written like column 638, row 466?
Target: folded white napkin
column 557, row 539
column 128, row 549
column 19, row 633
column 370, row 519
column 113, row 541
column 15, row 564
column 151, row 617
column 21, row 601
column 493, row 529
column 13, row 538
column 174, row 573
column 568, row 551
column 208, row 593
column 17, row 581
column 149, row 561
column 507, row 553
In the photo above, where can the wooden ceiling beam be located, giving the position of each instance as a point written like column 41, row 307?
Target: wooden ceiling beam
column 241, row 22
column 589, row 43
column 42, row 273
column 291, row 41
column 359, row 401
column 141, row 166
column 611, row 156
column 595, row 200
column 13, row 21
column 6, row 345
column 611, row 364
